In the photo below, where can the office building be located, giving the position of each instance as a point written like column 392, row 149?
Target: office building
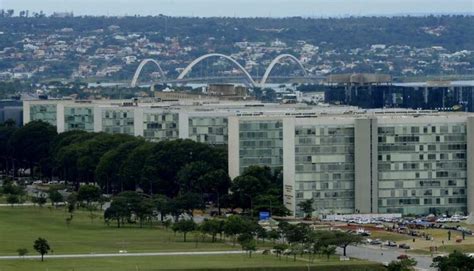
column 11, row 110
column 347, row 160
column 378, row 91
column 400, row 162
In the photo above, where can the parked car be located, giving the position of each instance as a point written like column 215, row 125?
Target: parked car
column 391, row 244
column 376, row 242
column 404, row 246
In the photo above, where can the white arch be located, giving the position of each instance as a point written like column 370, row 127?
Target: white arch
column 201, row 58
column 140, row 67
column 275, row 61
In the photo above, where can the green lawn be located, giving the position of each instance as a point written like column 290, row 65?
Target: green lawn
column 230, row 262
column 389, row 236
column 466, row 248
column 20, row 226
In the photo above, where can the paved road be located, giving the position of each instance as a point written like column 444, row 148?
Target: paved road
column 385, row 255
column 65, row 256
column 16, row 204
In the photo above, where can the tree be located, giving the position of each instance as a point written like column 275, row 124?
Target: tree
column 296, row 233
column 280, row 249
column 248, row 244
column 261, row 232
column 39, row 200
column 454, row 261
column 162, row 205
column 55, row 197
column 144, row 210
column 184, row 226
column 189, row 177
column 406, row 264
column 233, row 225
column 108, row 170
column 273, row 235
column 328, row 251
column 307, row 207
column 245, row 189
column 344, row 239
column 71, row 203
column 42, row 247
column 212, row 227
column 13, row 199
column 118, row 211
column 31, row 144
column 295, row 249
column 22, row 252
column 185, row 204
column 216, row 183
column 88, row 193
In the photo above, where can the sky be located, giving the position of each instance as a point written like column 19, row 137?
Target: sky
column 245, row 8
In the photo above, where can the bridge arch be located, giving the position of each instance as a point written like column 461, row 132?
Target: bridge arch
column 201, row 58
column 140, row 67
column 275, row 61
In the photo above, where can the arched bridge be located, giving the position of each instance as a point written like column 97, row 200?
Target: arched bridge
column 140, row 68
column 246, row 74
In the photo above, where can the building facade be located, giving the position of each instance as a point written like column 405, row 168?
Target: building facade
column 408, row 163
column 441, row 95
column 347, row 160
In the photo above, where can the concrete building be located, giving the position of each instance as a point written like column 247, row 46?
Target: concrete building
column 11, row 110
column 410, row 162
column 203, row 120
column 378, row 92
column 346, row 159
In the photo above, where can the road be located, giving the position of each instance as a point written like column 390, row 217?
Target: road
column 385, row 255
column 93, row 255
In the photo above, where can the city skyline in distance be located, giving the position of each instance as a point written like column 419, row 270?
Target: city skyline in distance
column 245, row 8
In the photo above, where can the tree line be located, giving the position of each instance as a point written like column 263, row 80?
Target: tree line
column 194, row 174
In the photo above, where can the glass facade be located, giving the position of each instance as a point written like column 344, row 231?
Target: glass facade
column 160, row 126
column 211, row 130
column 261, row 143
column 118, row 121
column 324, row 167
column 422, row 168
column 44, row 112
column 79, row 118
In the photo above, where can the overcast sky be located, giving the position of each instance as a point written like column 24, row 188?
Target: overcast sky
column 245, row 8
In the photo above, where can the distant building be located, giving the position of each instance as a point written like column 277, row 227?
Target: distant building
column 406, row 162
column 371, row 91
column 346, row 159
column 228, row 91
column 11, row 110
column 62, row 14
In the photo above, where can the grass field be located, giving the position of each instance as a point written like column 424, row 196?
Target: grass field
column 20, row 226
column 389, row 236
column 231, row 262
